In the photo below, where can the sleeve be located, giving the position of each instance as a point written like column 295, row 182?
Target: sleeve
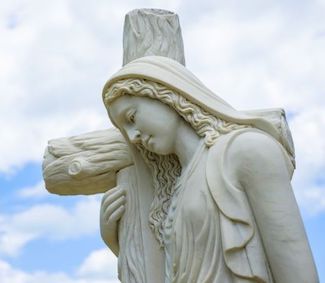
column 242, row 248
column 260, row 214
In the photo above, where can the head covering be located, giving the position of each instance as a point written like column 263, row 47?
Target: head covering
column 175, row 76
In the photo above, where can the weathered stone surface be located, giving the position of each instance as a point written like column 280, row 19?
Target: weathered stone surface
column 85, row 164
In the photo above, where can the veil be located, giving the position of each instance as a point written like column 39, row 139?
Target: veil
column 175, row 76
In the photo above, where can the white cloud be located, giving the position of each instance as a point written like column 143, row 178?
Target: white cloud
column 99, row 264
column 10, row 275
column 309, row 181
column 36, row 191
column 266, row 59
column 312, row 199
column 105, row 274
column 48, row 221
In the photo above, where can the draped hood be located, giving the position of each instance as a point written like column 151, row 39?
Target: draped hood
column 175, row 76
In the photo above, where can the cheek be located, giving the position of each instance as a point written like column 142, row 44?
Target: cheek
column 165, row 140
column 171, row 125
column 158, row 121
column 161, row 147
column 152, row 125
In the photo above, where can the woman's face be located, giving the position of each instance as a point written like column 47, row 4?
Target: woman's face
column 146, row 121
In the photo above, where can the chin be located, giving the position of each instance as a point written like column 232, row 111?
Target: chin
column 159, row 147
column 160, row 150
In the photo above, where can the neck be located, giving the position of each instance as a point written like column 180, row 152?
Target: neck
column 186, row 143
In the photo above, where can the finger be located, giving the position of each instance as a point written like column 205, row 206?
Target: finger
column 114, row 206
column 113, row 191
column 116, row 215
column 109, row 199
column 112, row 198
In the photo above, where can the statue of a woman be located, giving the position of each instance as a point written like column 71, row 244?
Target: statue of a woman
column 222, row 208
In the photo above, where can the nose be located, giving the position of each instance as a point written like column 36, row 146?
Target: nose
column 134, row 135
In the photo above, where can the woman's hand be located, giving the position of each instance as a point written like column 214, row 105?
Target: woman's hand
column 111, row 211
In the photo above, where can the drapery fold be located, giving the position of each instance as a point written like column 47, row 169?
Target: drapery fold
column 242, row 247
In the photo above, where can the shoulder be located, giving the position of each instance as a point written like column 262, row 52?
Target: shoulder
column 254, row 145
column 254, row 154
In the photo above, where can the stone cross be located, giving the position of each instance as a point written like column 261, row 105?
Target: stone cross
column 87, row 163
column 95, row 162
column 231, row 217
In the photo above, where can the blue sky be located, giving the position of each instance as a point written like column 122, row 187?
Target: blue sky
column 55, row 57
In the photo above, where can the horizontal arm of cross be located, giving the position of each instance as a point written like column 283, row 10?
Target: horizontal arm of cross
column 85, row 164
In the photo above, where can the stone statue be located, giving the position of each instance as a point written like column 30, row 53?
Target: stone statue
column 196, row 190
column 223, row 209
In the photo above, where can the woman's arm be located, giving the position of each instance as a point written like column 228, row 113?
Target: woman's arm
column 260, row 169
column 112, row 209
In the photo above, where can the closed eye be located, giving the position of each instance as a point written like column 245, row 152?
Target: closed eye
column 131, row 117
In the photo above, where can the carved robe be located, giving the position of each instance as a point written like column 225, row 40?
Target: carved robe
column 210, row 232
column 214, row 238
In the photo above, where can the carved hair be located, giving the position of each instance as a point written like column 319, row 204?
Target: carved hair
column 166, row 168
column 165, row 171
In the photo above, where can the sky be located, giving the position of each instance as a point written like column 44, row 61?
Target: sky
column 55, row 57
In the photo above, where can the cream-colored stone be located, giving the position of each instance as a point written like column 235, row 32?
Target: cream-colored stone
column 85, row 164
column 150, row 32
column 222, row 207
column 195, row 191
